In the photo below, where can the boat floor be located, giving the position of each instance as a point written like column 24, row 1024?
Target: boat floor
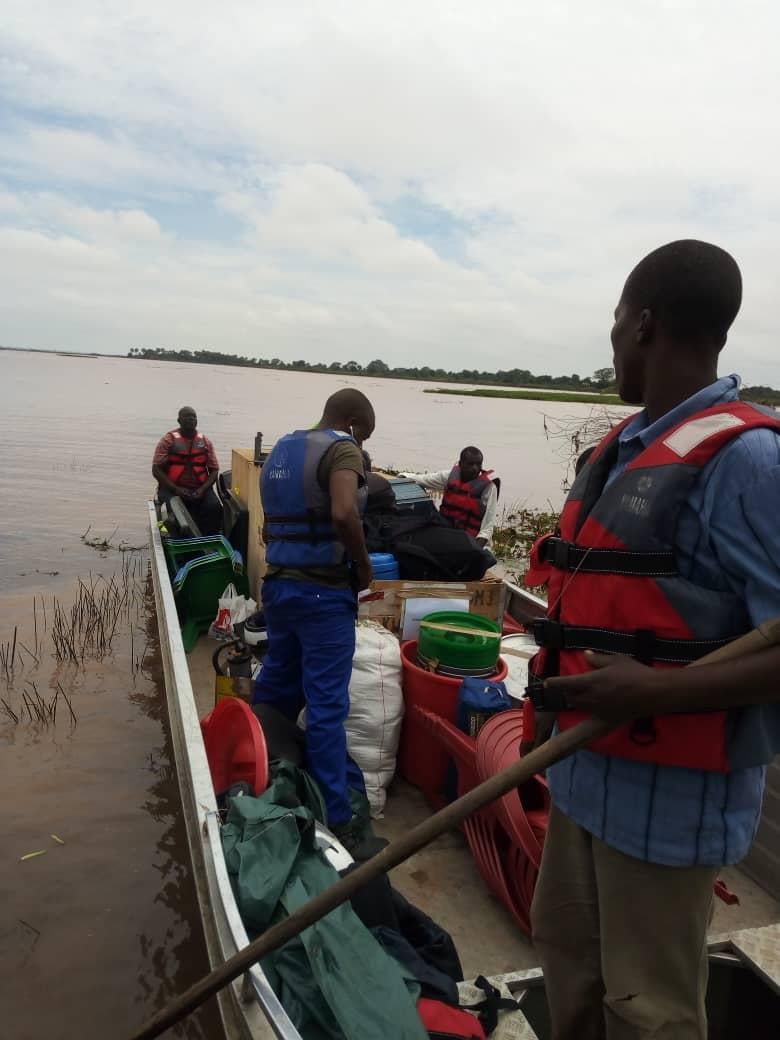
column 443, row 880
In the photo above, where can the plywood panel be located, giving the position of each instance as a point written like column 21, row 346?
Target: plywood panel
column 246, row 487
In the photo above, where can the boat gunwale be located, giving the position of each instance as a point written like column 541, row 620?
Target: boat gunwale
column 261, row 1017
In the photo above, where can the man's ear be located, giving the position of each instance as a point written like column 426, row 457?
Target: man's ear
column 644, row 330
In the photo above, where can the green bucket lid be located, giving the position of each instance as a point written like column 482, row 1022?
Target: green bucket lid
column 460, row 640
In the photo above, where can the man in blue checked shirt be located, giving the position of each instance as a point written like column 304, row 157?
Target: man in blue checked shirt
column 669, row 546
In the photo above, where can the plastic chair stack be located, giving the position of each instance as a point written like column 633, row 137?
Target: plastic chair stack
column 505, row 838
column 201, row 569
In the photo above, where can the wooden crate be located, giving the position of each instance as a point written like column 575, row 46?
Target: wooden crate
column 388, row 598
column 246, row 487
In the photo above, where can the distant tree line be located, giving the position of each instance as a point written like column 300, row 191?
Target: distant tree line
column 603, row 379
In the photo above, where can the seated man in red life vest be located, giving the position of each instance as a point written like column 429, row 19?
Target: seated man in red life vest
column 185, row 464
column 470, row 494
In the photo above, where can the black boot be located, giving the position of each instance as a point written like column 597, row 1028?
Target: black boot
column 358, row 839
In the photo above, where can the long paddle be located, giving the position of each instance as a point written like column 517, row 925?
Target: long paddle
column 558, row 747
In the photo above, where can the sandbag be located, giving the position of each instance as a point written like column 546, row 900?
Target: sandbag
column 376, row 708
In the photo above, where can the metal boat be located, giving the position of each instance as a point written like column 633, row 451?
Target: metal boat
column 745, row 963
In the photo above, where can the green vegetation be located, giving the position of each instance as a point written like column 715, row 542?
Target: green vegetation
column 517, row 531
column 535, row 395
column 514, row 535
column 601, row 379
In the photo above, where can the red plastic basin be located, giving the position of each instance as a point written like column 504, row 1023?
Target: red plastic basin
column 421, row 760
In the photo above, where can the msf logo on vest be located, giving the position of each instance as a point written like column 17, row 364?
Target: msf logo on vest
column 637, row 504
column 280, row 469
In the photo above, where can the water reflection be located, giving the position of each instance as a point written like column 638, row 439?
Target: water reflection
column 98, row 932
column 174, row 960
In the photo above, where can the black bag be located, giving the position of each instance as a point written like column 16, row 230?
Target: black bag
column 439, row 552
column 383, row 529
column 428, row 548
column 380, row 497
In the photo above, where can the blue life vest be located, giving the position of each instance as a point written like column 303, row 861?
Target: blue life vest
column 299, row 531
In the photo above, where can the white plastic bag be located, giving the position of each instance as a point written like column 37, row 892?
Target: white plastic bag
column 231, row 610
column 376, row 710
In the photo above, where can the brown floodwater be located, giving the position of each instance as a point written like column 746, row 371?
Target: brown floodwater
column 78, row 435
column 97, row 933
column 102, row 928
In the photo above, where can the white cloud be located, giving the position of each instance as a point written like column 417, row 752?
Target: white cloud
column 229, row 175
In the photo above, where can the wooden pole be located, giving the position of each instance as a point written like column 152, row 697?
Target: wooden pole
column 555, row 749
column 401, row 849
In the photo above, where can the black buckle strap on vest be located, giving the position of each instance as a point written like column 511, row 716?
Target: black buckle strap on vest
column 566, row 556
column 545, row 699
column 311, row 518
column 644, row 645
column 488, row 1009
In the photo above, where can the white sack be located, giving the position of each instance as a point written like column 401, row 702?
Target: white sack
column 376, row 709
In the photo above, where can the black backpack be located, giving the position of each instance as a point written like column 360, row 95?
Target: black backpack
column 428, row 548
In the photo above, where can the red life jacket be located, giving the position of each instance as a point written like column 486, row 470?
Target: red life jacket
column 462, row 503
column 614, row 585
column 444, row 1022
column 189, row 459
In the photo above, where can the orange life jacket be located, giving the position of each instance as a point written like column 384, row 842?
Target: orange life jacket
column 188, row 459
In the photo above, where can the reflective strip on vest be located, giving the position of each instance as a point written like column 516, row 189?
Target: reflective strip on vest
column 638, row 513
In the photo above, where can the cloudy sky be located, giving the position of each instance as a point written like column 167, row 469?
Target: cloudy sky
column 424, row 181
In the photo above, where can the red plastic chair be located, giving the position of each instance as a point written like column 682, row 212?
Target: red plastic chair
column 524, row 812
column 235, row 746
column 505, row 838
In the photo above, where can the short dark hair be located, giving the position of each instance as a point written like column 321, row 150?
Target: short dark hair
column 693, row 289
column 471, row 450
column 348, row 403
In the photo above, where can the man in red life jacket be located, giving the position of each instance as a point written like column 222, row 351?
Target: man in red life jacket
column 470, row 494
column 185, row 464
column 668, row 547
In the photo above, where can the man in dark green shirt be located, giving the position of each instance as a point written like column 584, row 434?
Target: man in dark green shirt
column 313, row 493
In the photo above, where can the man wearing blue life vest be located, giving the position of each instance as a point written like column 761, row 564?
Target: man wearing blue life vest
column 313, row 493
column 668, row 547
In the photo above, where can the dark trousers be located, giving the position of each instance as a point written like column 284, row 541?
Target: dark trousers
column 206, row 511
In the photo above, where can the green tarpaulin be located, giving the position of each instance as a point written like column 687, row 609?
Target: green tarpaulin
column 335, row 981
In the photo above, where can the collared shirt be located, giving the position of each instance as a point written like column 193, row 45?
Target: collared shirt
column 438, row 482
column 728, row 537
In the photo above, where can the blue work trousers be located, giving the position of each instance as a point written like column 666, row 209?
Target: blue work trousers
column 311, row 643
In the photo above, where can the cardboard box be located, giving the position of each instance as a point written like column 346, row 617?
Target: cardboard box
column 387, row 601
